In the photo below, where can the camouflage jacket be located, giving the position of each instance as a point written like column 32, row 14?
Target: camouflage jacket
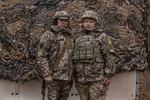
column 54, row 54
column 95, row 66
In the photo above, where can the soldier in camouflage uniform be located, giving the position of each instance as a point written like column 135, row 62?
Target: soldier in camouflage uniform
column 94, row 59
column 54, row 55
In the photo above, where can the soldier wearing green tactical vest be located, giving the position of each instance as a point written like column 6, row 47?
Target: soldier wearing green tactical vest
column 54, row 55
column 94, row 59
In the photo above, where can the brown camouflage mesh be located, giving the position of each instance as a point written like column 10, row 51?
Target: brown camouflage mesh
column 23, row 21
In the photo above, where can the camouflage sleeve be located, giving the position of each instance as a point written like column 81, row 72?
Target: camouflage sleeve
column 43, row 48
column 109, row 54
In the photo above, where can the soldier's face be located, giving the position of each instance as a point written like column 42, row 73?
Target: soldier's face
column 63, row 23
column 89, row 24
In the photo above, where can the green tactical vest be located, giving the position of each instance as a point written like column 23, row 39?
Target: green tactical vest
column 87, row 49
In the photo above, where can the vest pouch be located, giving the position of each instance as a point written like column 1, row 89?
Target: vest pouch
column 84, row 51
column 76, row 55
column 98, row 55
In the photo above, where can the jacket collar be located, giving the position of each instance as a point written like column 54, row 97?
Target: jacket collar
column 96, row 32
column 57, row 30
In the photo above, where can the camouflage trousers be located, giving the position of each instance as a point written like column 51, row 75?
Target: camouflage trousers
column 59, row 89
column 91, row 90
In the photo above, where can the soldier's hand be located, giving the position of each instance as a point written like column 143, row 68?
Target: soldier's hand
column 48, row 79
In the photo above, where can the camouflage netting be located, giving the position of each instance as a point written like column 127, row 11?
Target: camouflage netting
column 146, row 24
column 122, row 19
column 144, row 87
column 23, row 21
column 21, row 24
